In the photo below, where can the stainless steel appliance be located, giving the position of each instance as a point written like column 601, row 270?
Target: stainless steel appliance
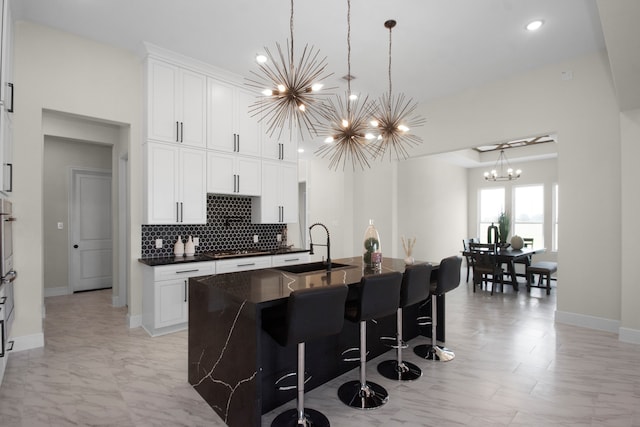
column 7, row 273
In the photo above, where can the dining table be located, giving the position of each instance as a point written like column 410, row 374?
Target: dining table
column 511, row 257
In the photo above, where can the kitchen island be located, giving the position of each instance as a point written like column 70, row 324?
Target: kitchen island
column 234, row 364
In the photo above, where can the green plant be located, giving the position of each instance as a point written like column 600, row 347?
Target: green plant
column 504, row 222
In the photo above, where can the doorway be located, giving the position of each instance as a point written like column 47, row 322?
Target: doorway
column 61, row 157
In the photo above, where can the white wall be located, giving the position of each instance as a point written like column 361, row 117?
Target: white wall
column 60, row 156
column 61, row 72
column 630, row 226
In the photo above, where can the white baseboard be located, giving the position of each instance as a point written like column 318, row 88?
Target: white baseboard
column 27, row 342
column 56, row 292
column 590, row 322
column 134, row 321
column 629, row 335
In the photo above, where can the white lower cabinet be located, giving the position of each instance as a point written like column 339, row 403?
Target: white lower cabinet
column 290, row 259
column 165, row 299
column 243, row 264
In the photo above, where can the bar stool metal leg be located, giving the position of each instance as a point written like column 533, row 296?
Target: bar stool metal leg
column 434, row 351
column 363, row 394
column 301, row 416
column 399, row 369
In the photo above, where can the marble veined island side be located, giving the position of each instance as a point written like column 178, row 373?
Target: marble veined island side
column 234, row 364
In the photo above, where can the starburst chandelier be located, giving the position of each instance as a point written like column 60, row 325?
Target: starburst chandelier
column 347, row 122
column 291, row 90
column 502, row 170
column 393, row 118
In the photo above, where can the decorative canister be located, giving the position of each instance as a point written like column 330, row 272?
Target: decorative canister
column 372, row 256
column 178, row 248
column 189, row 247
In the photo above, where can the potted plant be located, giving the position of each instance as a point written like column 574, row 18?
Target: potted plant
column 504, row 223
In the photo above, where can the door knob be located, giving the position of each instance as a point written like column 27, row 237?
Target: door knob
column 75, row 246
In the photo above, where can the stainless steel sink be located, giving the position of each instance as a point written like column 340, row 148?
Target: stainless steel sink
column 312, row 267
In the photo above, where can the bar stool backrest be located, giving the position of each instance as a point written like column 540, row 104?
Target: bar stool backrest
column 379, row 295
column 448, row 274
column 416, row 284
column 315, row 312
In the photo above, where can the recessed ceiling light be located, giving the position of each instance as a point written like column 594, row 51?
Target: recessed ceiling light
column 534, row 25
column 261, row 59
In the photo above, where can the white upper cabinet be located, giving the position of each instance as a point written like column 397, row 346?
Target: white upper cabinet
column 279, row 200
column 176, row 105
column 231, row 128
column 6, row 46
column 228, row 173
column 176, row 185
column 278, row 146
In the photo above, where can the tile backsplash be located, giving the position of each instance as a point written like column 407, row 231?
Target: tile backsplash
column 228, row 227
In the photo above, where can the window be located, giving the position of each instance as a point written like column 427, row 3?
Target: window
column 491, row 204
column 528, row 215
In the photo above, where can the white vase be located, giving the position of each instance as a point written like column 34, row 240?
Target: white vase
column 178, row 248
column 189, row 247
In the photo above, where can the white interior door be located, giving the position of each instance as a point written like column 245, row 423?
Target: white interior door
column 91, row 233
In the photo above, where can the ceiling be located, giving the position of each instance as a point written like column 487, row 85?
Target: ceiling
column 439, row 47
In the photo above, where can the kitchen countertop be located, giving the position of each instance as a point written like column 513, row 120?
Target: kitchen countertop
column 156, row 261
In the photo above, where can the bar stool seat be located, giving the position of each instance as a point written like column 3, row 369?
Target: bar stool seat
column 448, row 280
column 379, row 296
column 311, row 313
column 414, row 289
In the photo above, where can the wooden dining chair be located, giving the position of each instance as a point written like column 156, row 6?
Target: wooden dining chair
column 469, row 259
column 485, row 264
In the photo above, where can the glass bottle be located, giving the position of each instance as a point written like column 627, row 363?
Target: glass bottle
column 372, row 255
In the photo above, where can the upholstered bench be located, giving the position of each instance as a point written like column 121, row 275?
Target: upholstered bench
column 544, row 269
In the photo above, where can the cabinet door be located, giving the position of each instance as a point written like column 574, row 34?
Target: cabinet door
column 221, row 175
column 162, row 186
column 220, row 116
column 193, row 194
column 171, row 302
column 193, row 106
column 249, row 174
column 6, row 152
column 288, row 180
column 162, row 121
column 269, row 199
column 248, row 127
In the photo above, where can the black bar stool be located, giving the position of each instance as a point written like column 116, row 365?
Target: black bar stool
column 311, row 313
column 415, row 287
column 448, row 280
column 379, row 297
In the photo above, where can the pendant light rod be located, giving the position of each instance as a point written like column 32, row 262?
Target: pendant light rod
column 390, row 24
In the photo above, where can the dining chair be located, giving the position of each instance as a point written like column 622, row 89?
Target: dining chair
column 528, row 243
column 485, row 264
column 469, row 259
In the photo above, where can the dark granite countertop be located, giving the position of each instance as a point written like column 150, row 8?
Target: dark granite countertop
column 156, row 261
column 271, row 284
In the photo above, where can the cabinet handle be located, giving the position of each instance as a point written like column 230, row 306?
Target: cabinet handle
column 234, row 143
column 10, row 166
column 246, row 265
column 181, row 212
column 177, row 212
column 292, row 260
column 187, row 271
column 181, row 132
column 10, row 109
column 177, row 131
column 2, row 337
column 280, row 152
column 185, row 291
column 238, row 150
column 238, row 183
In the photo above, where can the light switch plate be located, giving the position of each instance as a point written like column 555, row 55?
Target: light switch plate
column 196, row 241
column 60, row 226
column 158, row 243
column 255, row 238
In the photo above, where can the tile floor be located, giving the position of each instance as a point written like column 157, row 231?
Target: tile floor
column 514, row 367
